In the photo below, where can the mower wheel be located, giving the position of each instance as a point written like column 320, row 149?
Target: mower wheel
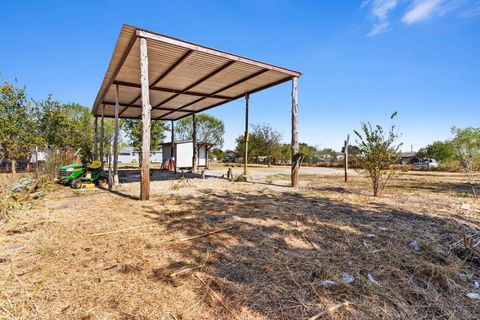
column 76, row 184
column 102, row 183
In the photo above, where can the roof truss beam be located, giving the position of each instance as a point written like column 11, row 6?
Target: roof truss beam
column 196, row 83
column 237, row 97
column 253, row 75
column 163, row 75
column 169, row 90
column 110, row 103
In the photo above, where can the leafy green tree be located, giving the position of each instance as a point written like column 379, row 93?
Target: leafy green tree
column 66, row 125
column 328, row 154
column 286, row 152
column 309, row 152
column 108, row 132
column 377, row 152
column 466, row 144
column 217, row 153
column 209, row 129
column 264, row 141
column 353, row 152
column 81, row 124
column 438, row 150
column 18, row 130
column 133, row 130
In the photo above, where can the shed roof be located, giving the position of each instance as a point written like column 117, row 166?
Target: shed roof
column 188, row 141
column 184, row 77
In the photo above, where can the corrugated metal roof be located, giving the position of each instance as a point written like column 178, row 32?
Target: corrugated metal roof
column 184, row 77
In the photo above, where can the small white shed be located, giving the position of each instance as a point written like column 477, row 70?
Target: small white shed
column 184, row 154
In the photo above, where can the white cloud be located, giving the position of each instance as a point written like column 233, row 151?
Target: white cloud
column 422, row 10
column 417, row 11
column 380, row 10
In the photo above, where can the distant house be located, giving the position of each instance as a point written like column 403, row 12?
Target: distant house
column 129, row 155
column 184, row 154
column 230, row 156
column 408, row 157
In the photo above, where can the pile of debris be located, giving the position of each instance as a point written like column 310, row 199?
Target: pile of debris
column 17, row 193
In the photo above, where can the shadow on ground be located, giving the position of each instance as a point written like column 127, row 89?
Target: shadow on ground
column 281, row 246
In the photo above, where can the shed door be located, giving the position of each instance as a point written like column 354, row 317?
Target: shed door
column 202, row 156
column 184, row 155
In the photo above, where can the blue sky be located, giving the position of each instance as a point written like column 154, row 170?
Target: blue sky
column 361, row 60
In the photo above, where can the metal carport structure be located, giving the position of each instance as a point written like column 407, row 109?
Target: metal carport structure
column 157, row 77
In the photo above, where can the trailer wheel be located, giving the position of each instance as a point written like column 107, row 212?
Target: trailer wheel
column 76, row 184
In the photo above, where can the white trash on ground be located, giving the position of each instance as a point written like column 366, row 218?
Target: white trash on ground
column 372, row 280
column 414, row 245
column 348, row 278
column 473, row 295
column 328, row 283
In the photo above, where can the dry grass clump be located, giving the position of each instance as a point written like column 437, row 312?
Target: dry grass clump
column 227, row 250
column 182, row 183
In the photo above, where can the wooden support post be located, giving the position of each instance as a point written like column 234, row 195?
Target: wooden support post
column 102, row 136
column 146, row 120
column 194, row 142
column 115, row 140
column 95, row 138
column 296, row 156
column 172, row 149
column 110, row 172
column 245, row 155
column 345, row 157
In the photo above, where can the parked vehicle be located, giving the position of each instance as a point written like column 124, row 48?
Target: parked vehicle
column 430, row 163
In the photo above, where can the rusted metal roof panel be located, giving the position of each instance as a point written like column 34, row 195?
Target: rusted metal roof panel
column 184, row 77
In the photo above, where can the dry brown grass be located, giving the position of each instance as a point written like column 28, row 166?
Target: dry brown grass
column 97, row 255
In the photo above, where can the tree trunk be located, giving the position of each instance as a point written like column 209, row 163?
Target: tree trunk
column 296, row 157
column 14, row 166
column 36, row 161
column 146, row 123
column 375, row 187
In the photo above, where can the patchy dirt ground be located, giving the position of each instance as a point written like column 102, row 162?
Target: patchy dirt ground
column 94, row 254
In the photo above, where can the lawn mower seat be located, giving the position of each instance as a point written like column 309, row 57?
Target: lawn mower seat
column 94, row 165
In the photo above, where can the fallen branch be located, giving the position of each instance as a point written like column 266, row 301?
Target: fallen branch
column 121, row 230
column 206, row 234
column 313, row 244
column 173, row 275
column 330, row 310
column 215, row 296
column 293, row 278
column 476, row 244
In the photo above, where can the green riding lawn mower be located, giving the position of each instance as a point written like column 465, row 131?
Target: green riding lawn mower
column 81, row 175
